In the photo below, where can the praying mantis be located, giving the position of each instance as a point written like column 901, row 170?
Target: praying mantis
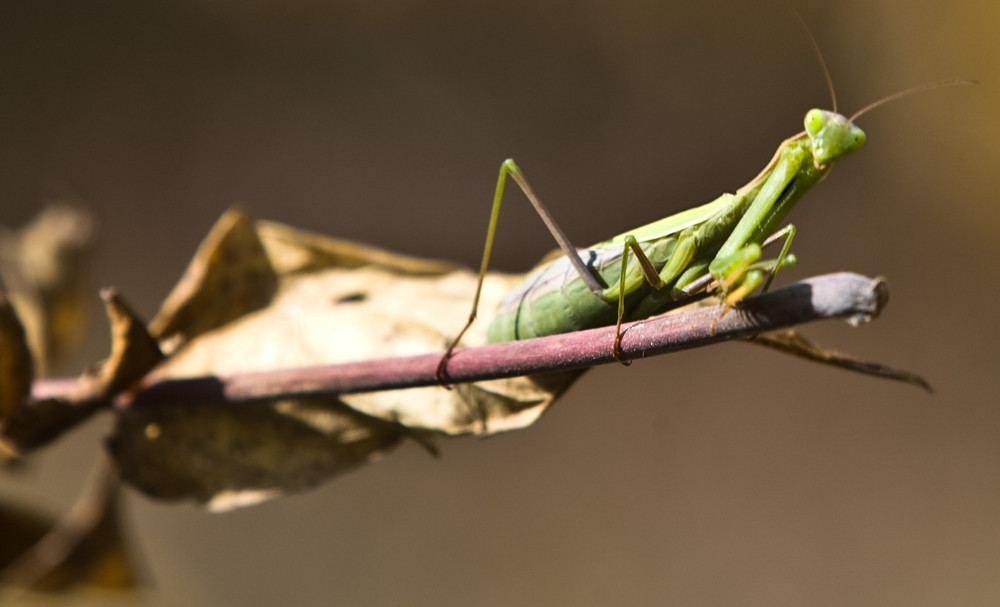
column 713, row 248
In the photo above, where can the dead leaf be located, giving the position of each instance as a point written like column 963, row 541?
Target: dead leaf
column 294, row 251
column 37, row 422
column 237, row 455
column 134, row 352
column 46, row 269
column 792, row 342
column 85, row 547
column 343, row 315
column 16, row 368
column 335, row 301
column 229, row 276
column 340, row 301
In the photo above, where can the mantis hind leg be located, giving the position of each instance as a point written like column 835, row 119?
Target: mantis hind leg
column 509, row 169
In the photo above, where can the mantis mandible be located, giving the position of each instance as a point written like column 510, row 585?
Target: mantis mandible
column 712, row 248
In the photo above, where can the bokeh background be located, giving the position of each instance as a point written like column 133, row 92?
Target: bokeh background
column 722, row 476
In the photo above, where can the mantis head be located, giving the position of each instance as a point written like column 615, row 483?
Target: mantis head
column 831, row 136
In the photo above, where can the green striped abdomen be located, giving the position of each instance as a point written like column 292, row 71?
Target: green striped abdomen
column 553, row 299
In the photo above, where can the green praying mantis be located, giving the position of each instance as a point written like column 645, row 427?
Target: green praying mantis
column 714, row 248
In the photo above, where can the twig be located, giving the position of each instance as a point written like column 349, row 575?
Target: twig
column 849, row 296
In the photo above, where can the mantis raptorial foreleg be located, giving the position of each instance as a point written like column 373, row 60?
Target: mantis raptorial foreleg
column 788, row 233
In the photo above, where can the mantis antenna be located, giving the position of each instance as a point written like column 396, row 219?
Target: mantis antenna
column 871, row 106
column 910, row 91
column 818, row 53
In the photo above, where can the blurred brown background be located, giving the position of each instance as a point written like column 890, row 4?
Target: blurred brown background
column 725, row 476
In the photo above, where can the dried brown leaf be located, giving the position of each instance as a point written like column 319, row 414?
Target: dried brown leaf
column 39, row 421
column 20, row 528
column 343, row 315
column 16, row 368
column 792, row 342
column 85, row 547
column 46, row 270
column 229, row 276
column 336, row 301
column 134, row 352
column 295, row 251
column 236, row 456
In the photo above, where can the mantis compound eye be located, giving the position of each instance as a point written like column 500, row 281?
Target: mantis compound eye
column 814, row 122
